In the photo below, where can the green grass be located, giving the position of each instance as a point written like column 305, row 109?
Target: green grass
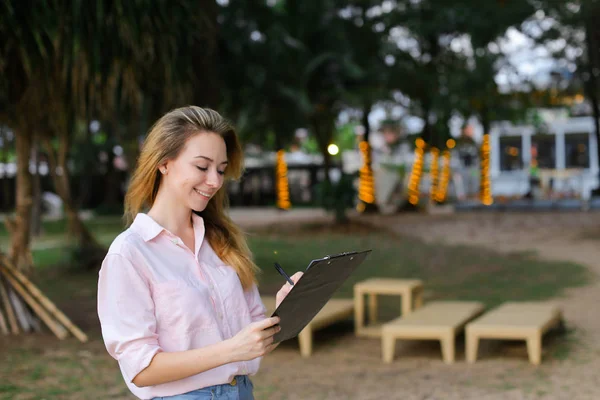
column 52, row 248
column 58, row 228
column 449, row 272
column 46, row 368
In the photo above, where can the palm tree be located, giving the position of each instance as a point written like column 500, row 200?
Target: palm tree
column 66, row 61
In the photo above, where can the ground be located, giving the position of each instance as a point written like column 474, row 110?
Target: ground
column 351, row 368
column 344, row 367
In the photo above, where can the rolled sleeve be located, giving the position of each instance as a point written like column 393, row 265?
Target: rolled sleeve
column 255, row 304
column 126, row 313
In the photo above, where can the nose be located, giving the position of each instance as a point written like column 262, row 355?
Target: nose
column 213, row 179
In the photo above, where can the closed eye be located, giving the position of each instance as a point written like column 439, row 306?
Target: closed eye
column 206, row 169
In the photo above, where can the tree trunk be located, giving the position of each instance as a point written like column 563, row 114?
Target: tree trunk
column 85, row 183
column 36, row 212
column 19, row 228
column 112, row 187
column 323, row 125
column 205, row 58
column 60, row 177
column 365, row 121
column 6, row 189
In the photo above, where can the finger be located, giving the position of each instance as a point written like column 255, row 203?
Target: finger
column 296, row 277
column 267, row 342
column 270, row 332
column 266, row 323
column 279, row 298
column 285, row 290
column 271, row 347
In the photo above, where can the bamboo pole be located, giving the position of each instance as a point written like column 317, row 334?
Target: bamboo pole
column 3, row 326
column 20, row 310
column 35, row 322
column 54, row 326
column 12, row 319
column 44, row 301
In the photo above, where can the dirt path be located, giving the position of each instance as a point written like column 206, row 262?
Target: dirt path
column 503, row 371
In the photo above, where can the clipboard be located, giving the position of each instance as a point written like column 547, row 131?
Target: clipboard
column 322, row 278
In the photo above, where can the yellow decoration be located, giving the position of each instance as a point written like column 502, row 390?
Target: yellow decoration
column 283, row 190
column 486, row 186
column 442, row 189
column 366, row 185
column 435, row 154
column 417, row 171
column 450, row 143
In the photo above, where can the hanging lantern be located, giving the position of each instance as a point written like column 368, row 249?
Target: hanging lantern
column 282, row 186
column 366, row 183
column 442, row 190
column 417, row 171
column 435, row 154
column 486, row 186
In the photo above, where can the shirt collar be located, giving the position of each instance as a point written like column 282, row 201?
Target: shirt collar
column 149, row 228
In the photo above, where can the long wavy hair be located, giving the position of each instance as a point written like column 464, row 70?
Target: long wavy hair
column 164, row 142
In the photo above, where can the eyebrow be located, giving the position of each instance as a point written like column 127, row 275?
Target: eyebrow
column 210, row 159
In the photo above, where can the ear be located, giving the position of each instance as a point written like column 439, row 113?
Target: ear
column 163, row 169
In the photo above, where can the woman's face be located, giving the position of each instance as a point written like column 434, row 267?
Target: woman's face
column 198, row 171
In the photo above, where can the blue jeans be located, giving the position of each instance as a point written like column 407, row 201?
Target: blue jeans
column 242, row 390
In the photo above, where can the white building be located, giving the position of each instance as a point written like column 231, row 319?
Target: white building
column 565, row 151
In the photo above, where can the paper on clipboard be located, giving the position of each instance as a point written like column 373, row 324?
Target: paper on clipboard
column 313, row 290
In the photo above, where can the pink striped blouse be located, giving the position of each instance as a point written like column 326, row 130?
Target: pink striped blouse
column 155, row 294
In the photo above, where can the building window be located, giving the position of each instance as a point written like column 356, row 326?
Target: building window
column 543, row 150
column 511, row 157
column 577, row 150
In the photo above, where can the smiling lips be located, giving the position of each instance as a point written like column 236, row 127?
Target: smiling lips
column 204, row 194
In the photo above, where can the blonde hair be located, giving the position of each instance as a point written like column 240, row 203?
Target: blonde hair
column 164, row 142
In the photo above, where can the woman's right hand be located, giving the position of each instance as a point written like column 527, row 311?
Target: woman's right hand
column 255, row 340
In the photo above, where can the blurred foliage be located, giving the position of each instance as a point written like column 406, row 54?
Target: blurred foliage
column 337, row 196
column 272, row 67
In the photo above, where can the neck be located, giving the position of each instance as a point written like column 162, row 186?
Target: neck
column 170, row 214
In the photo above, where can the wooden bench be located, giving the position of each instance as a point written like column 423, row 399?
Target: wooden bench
column 335, row 310
column 439, row 320
column 409, row 290
column 526, row 321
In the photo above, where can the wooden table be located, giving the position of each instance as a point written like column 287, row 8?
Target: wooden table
column 409, row 290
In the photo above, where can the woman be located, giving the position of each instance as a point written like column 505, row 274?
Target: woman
column 177, row 296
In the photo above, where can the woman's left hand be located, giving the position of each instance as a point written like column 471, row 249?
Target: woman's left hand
column 285, row 289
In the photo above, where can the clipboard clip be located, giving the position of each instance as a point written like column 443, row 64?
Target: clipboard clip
column 345, row 253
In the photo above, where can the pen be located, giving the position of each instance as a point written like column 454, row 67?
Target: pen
column 282, row 272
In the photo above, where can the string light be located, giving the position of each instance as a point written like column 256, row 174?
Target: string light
column 486, row 186
column 417, row 171
column 333, row 149
column 366, row 184
column 442, row 190
column 283, row 190
column 433, row 191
